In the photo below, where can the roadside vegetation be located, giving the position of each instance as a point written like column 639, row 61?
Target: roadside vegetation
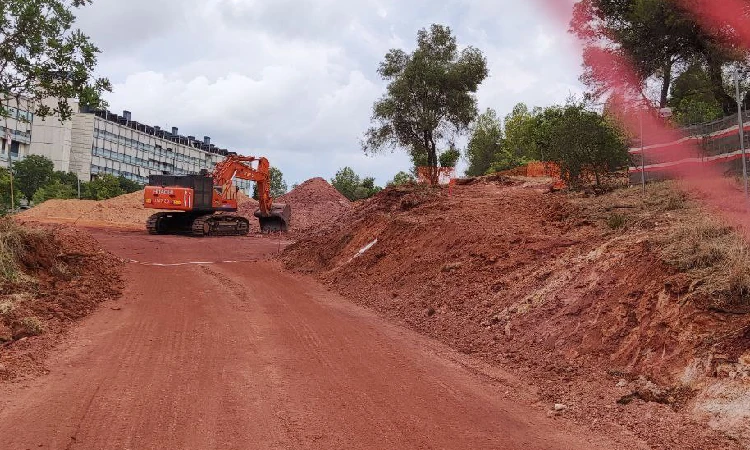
column 22, row 251
column 49, row 277
column 36, row 181
column 352, row 186
column 714, row 255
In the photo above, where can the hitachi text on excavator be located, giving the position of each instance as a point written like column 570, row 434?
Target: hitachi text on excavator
column 206, row 204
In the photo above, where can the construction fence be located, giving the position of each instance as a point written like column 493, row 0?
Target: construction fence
column 715, row 144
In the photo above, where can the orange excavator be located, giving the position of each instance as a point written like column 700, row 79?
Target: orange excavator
column 205, row 204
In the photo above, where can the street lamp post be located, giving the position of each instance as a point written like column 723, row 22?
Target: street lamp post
column 741, row 131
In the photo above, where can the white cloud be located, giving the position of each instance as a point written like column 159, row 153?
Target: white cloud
column 295, row 80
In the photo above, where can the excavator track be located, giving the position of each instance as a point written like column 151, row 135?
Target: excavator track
column 198, row 225
column 220, row 225
column 158, row 223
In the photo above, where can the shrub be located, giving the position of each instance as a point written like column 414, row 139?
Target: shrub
column 616, row 221
column 16, row 243
column 32, row 326
column 53, row 190
column 6, row 307
column 11, row 246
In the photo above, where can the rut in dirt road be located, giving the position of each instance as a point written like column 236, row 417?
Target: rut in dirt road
column 241, row 356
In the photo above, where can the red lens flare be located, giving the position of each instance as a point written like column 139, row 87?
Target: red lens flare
column 668, row 151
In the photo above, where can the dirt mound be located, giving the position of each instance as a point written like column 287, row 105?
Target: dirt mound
column 314, row 203
column 61, row 274
column 126, row 210
column 530, row 280
column 314, row 190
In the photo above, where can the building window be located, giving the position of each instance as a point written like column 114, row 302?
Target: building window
column 14, row 149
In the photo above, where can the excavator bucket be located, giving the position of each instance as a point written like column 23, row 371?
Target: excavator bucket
column 278, row 219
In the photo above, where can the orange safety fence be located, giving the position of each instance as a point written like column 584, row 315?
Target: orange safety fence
column 538, row 169
column 436, row 175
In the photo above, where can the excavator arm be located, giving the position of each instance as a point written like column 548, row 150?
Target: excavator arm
column 273, row 217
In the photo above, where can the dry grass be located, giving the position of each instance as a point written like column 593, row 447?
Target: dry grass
column 33, row 326
column 7, row 307
column 616, row 221
column 15, row 246
column 716, row 254
column 713, row 254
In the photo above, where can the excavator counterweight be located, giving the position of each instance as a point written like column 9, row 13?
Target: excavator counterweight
column 206, row 204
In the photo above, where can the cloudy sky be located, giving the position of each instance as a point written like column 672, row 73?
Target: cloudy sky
column 295, row 80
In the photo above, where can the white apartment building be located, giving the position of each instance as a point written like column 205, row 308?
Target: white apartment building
column 17, row 127
column 97, row 142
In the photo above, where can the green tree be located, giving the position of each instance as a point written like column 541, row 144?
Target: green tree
column 5, row 191
column 54, row 190
column 484, row 144
column 659, row 37
column 580, row 140
column 351, row 186
column 367, row 188
column 67, row 178
column 692, row 98
column 450, row 157
column 103, row 187
column 31, row 173
column 129, row 186
column 401, row 178
column 346, row 182
column 430, row 95
column 519, row 146
column 43, row 57
column 278, row 186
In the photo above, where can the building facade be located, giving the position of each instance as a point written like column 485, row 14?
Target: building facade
column 15, row 131
column 97, row 142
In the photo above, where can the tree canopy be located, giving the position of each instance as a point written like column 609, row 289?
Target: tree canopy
column 430, row 95
column 351, row 186
column 450, row 157
column 580, row 141
column 55, row 189
column 402, row 178
column 278, row 184
column 31, row 173
column 103, row 187
column 661, row 39
column 42, row 56
column 484, row 144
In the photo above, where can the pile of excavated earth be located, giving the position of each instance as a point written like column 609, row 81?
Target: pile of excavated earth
column 50, row 277
column 578, row 295
column 314, row 203
column 125, row 211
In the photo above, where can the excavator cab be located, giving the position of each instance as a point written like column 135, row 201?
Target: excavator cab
column 277, row 219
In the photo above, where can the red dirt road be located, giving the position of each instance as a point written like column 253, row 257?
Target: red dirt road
column 243, row 355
